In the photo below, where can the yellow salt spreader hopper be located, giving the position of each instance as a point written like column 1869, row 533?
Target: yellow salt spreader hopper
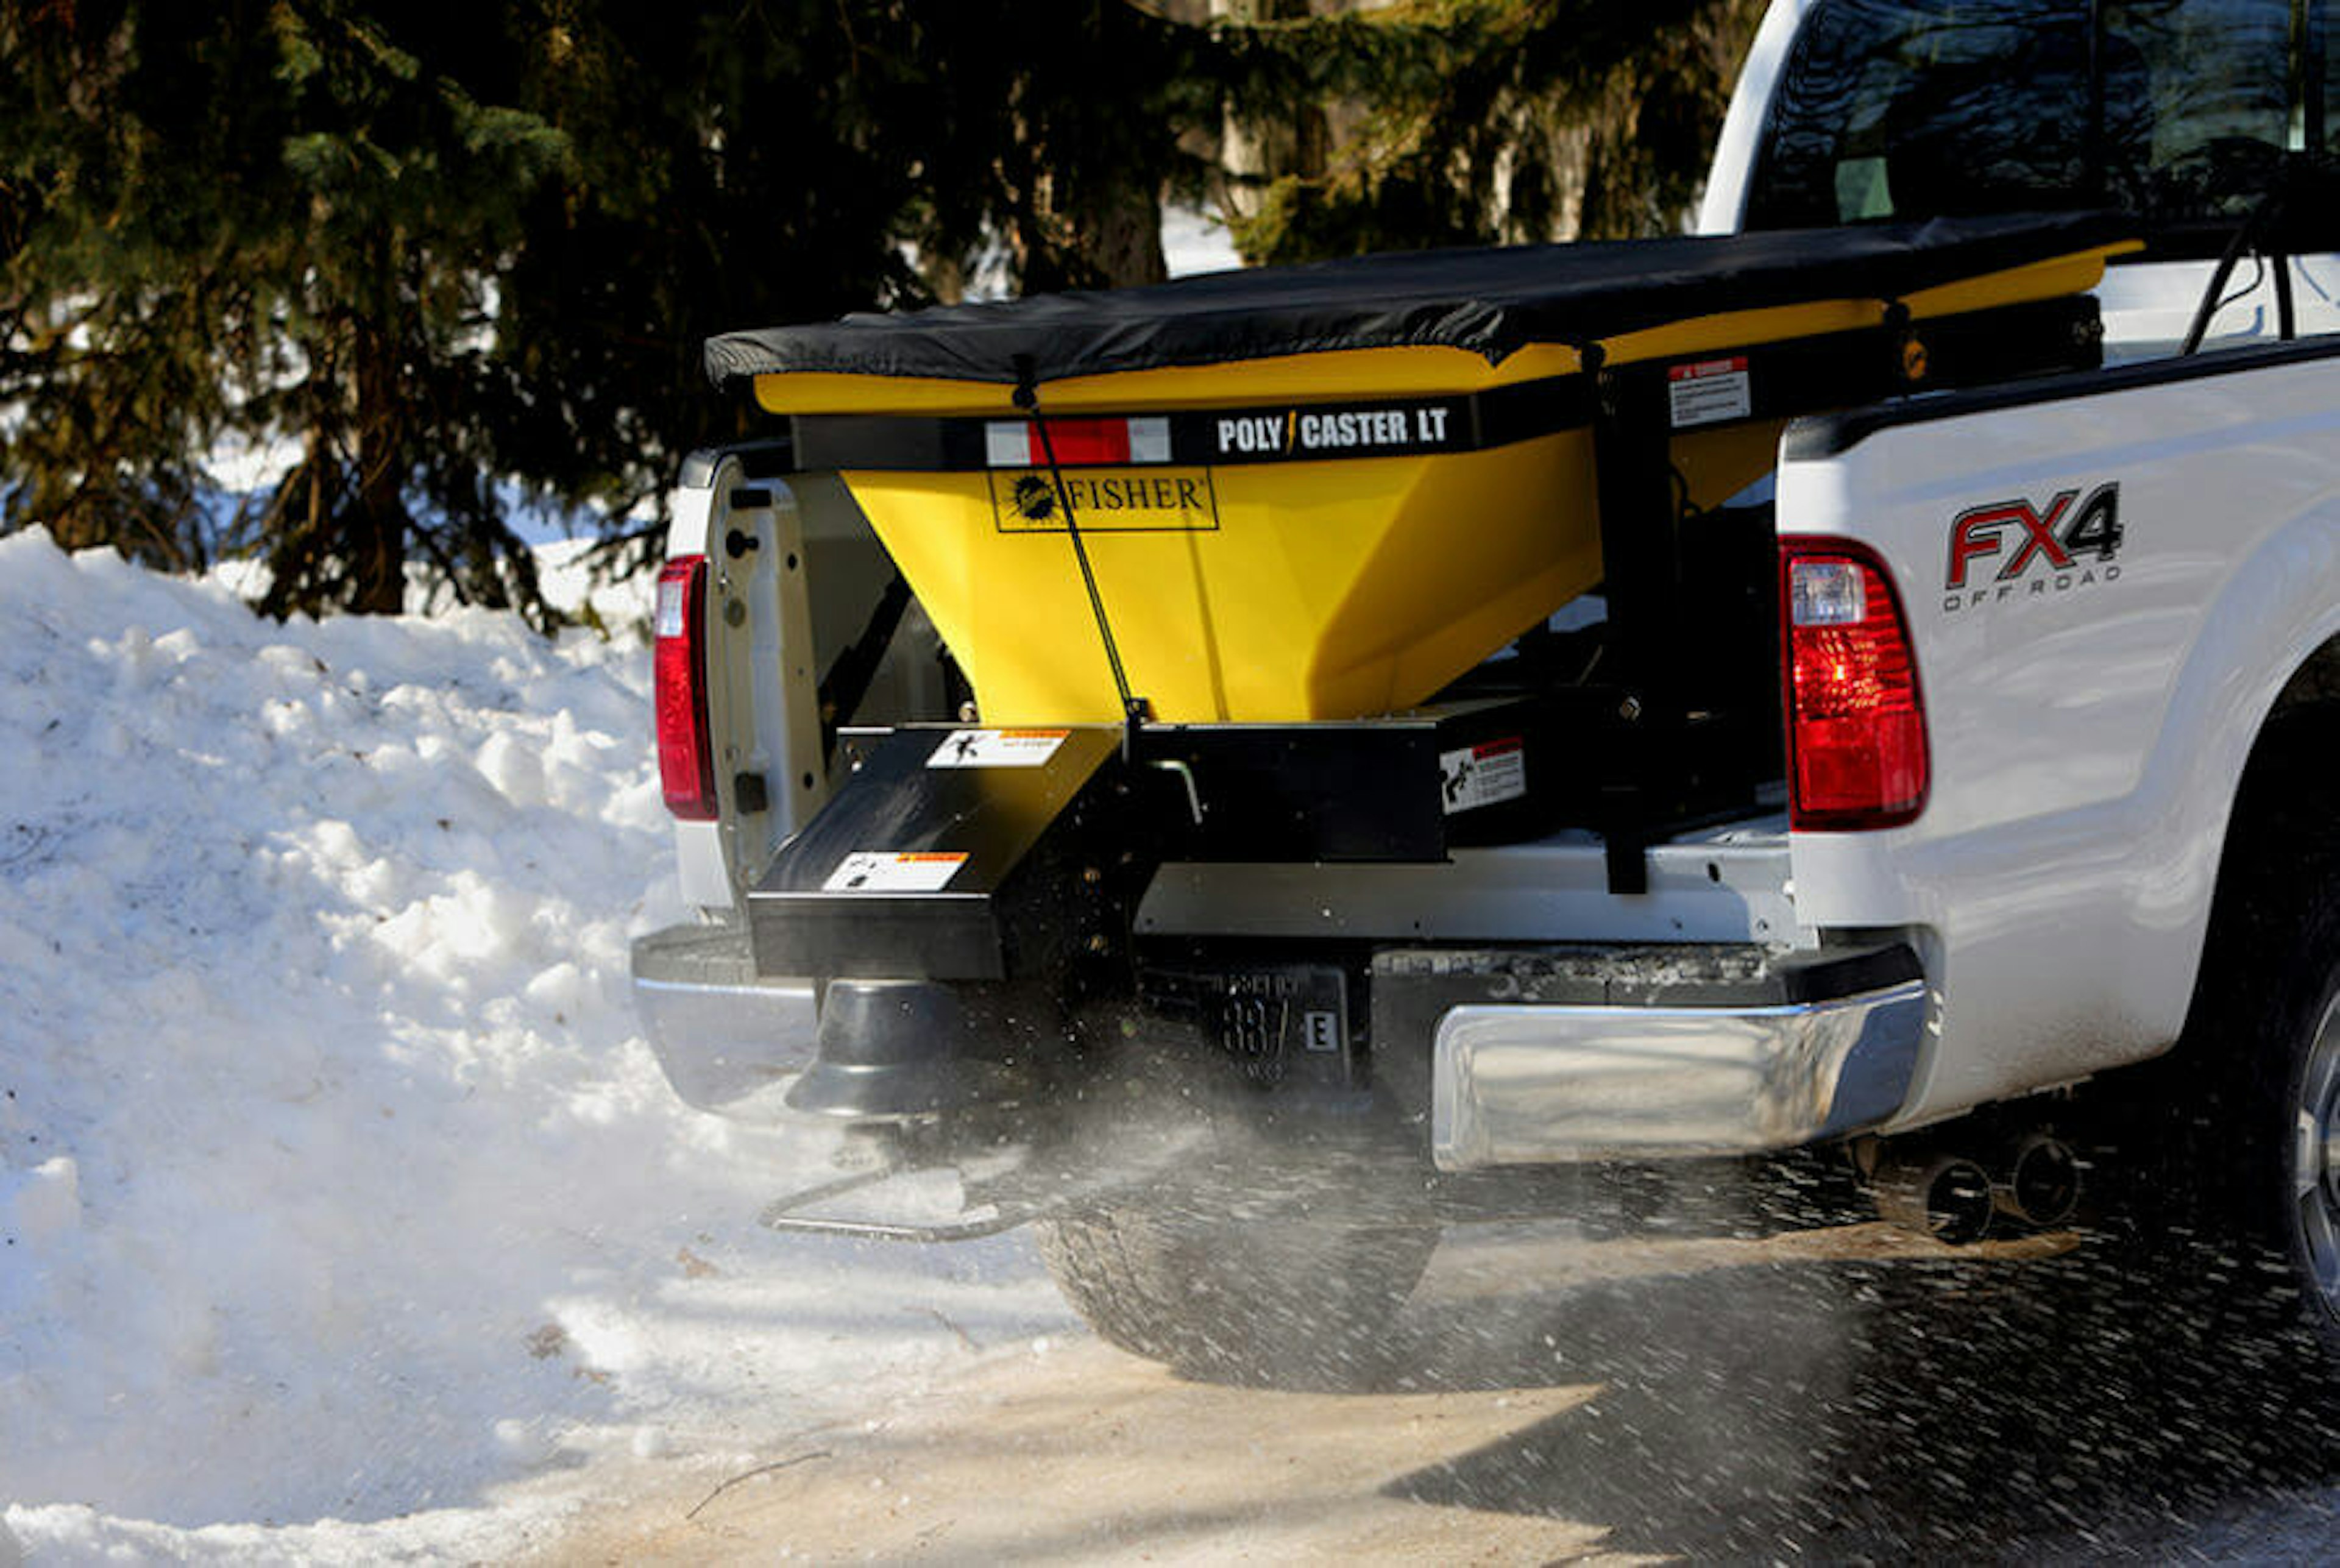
column 1323, row 492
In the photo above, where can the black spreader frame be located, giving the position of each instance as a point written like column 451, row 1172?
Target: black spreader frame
column 1640, row 555
column 1652, row 786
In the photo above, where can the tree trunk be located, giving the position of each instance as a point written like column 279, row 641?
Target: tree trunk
column 375, row 527
column 1122, row 237
column 1108, row 236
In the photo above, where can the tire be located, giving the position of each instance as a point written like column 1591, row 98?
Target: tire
column 1283, row 1303
column 2278, row 1109
column 2310, row 1194
column 2257, row 1079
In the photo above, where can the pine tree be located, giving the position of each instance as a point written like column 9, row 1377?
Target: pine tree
column 461, row 258
column 261, row 218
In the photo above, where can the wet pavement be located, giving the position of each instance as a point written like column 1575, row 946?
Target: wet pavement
column 1852, row 1395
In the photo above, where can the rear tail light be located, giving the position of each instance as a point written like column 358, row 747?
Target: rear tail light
column 1857, row 754
column 686, row 760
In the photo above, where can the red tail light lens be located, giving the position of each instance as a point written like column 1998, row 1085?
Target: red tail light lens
column 686, row 759
column 1857, row 754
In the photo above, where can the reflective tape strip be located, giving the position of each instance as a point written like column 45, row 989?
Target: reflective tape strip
column 1149, row 440
column 1010, row 443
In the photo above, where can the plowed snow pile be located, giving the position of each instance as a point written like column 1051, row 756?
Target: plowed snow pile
column 336, row 1186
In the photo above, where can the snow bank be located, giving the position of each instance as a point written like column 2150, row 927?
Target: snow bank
column 335, row 1185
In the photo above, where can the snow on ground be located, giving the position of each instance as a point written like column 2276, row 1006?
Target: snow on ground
column 337, row 1188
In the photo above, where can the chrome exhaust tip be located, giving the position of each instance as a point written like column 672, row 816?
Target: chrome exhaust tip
column 1940, row 1195
column 2042, row 1185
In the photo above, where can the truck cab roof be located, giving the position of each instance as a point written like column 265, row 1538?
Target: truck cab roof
column 2183, row 115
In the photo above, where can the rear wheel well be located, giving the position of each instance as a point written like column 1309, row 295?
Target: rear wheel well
column 2287, row 810
column 2236, row 1132
column 2288, row 781
column 2314, row 684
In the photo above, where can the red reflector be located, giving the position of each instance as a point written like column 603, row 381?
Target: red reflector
column 1084, row 440
column 686, row 760
column 1856, row 754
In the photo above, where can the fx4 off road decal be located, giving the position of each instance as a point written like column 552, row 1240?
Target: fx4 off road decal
column 2007, row 550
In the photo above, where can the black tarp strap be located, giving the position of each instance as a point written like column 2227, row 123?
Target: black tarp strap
column 1027, row 398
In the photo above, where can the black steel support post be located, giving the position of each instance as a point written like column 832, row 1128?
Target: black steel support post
column 1641, row 554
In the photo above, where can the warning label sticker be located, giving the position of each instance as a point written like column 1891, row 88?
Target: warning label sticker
column 1105, row 500
column 1710, row 391
column 887, row 871
column 996, row 748
column 1483, row 775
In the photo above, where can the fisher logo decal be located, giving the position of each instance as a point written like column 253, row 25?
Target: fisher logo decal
column 1105, row 500
column 1319, row 433
column 2011, row 549
column 1034, row 498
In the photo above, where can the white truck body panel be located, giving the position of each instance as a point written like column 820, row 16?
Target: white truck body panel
column 769, row 635
column 760, row 687
column 2089, row 729
column 2088, row 737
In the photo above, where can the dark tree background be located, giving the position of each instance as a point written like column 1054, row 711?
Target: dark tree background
column 1470, row 122
column 459, row 259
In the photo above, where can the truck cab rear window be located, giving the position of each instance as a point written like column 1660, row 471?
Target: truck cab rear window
column 2179, row 113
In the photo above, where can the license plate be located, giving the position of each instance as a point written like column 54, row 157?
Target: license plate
column 1271, row 1020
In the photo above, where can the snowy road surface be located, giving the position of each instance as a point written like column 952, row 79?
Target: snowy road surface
column 346, row 1218
column 1853, row 1396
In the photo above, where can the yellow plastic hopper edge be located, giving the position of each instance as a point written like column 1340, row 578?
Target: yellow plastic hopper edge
column 1327, row 590
column 1420, row 370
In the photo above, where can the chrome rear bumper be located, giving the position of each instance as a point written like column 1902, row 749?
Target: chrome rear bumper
column 1548, row 1084
column 728, row 1039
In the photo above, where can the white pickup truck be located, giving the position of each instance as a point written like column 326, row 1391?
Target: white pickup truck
column 1976, row 739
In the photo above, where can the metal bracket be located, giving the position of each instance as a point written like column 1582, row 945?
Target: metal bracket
column 1640, row 549
column 1186, row 777
column 1052, row 1192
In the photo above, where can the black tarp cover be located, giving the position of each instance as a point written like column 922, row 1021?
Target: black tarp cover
column 1490, row 301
